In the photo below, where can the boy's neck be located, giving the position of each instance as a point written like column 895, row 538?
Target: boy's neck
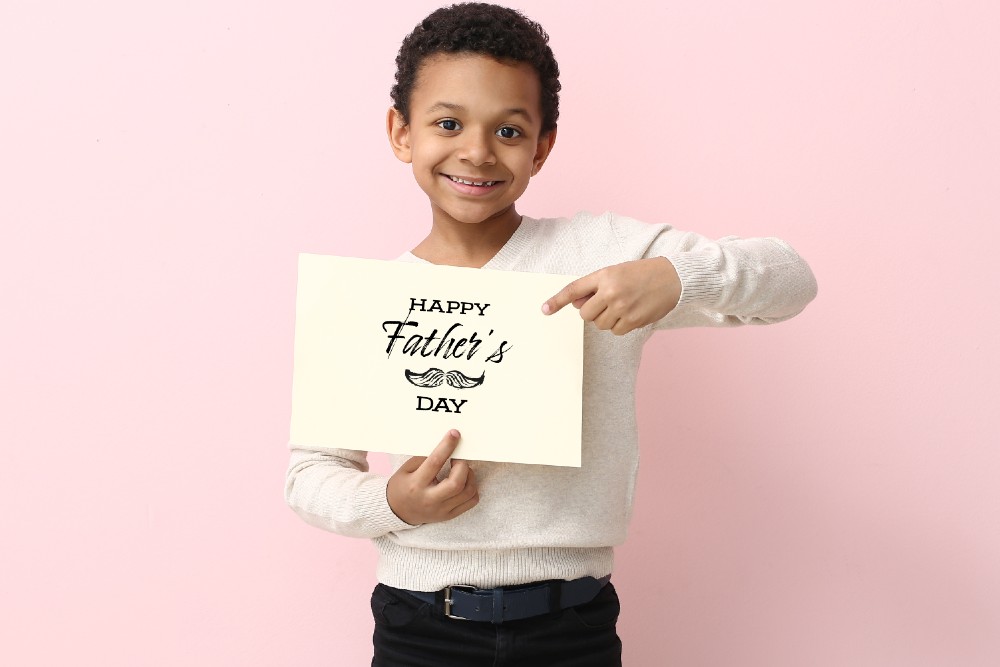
column 455, row 243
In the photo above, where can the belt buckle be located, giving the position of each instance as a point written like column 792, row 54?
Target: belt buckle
column 448, row 601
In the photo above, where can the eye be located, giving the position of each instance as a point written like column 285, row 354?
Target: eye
column 449, row 125
column 508, row 132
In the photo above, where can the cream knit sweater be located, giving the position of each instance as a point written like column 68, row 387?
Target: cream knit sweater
column 537, row 522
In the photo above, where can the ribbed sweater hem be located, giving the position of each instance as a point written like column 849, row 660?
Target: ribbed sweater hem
column 433, row 569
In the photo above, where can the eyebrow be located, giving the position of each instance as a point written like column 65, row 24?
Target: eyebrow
column 449, row 106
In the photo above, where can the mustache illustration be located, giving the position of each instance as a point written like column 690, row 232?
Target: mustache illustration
column 435, row 377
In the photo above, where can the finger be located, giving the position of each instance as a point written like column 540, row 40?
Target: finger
column 454, row 494
column 593, row 309
column 430, row 468
column 623, row 327
column 471, row 486
column 456, row 480
column 606, row 320
column 581, row 288
column 464, row 507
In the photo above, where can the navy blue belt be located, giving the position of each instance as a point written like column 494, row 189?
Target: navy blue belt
column 511, row 603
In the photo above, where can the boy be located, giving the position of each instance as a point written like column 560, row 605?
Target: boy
column 484, row 563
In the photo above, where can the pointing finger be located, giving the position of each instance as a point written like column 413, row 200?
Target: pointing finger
column 581, row 288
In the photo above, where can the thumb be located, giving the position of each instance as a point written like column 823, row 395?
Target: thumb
column 412, row 463
column 432, row 465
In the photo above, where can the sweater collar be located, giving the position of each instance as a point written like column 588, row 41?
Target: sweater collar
column 507, row 256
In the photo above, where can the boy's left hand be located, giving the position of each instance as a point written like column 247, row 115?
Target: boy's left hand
column 622, row 297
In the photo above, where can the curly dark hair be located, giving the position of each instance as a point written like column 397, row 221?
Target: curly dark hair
column 476, row 27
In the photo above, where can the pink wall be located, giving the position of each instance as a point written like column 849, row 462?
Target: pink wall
column 820, row 493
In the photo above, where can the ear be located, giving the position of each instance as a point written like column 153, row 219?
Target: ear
column 542, row 150
column 399, row 135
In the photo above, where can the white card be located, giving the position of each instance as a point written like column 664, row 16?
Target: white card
column 391, row 355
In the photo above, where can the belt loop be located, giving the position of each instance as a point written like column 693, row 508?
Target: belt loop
column 497, row 606
column 555, row 595
column 439, row 603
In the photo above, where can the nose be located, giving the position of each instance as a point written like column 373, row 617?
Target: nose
column 477, row 148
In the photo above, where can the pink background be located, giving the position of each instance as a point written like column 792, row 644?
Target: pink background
column 819, row 493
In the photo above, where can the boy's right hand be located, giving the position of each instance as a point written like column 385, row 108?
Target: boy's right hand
column 416, row 496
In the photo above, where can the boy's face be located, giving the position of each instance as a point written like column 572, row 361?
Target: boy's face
column 477, row 120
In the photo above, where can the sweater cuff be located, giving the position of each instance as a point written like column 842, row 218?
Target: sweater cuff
column 701, row 281
column 373, row 503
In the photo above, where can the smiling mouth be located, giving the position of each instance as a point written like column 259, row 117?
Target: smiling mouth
column 479, row 184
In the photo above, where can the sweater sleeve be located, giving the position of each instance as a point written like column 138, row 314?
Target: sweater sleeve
column 333, row 489
column 725, row 282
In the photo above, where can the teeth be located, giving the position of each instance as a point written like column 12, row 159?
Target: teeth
column 479, row 183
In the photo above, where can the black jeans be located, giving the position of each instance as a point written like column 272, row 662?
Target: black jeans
column 410, row 633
